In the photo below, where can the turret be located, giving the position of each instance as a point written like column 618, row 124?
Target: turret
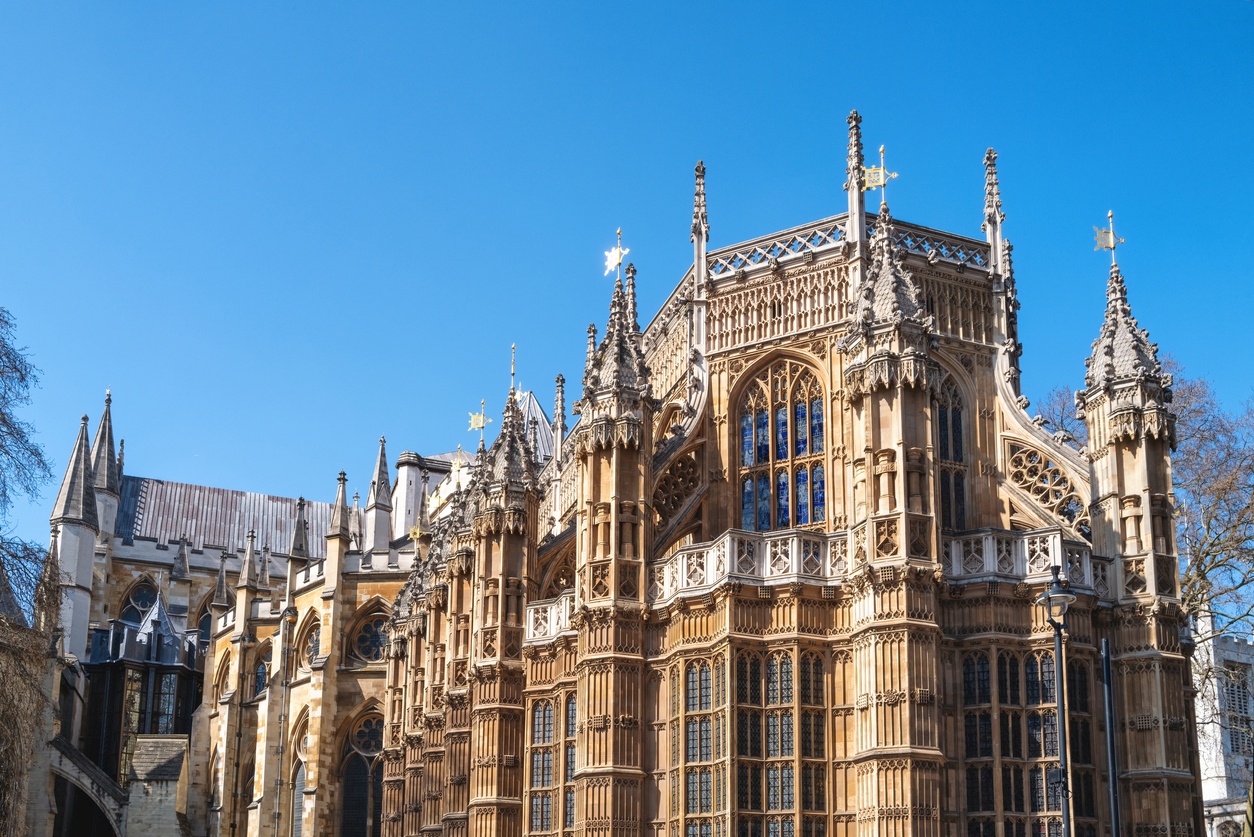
column 378, row 534
column 75, row 518
column 407, row 499
column 1131, row 435
column 105, row 467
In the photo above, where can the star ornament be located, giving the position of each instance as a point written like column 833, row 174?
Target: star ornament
column 614, row 258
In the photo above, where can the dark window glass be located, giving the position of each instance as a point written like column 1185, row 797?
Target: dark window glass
column 799, row 428
column 781, row 500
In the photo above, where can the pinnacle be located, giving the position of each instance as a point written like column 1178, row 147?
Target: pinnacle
column 76, row 501
column 1122, row 349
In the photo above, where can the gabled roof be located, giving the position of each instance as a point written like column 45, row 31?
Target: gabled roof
column 220, row 518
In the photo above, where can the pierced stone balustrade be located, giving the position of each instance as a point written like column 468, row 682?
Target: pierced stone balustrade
column 1021, row 556
column 550, row 617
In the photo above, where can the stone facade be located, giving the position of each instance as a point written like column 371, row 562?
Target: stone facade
column 778, row 580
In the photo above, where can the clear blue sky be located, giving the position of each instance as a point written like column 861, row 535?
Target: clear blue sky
column 279, row 230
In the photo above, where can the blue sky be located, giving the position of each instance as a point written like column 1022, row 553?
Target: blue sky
column 277, row 231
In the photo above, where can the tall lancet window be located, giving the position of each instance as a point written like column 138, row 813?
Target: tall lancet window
column 951, row 457
column 782, row 425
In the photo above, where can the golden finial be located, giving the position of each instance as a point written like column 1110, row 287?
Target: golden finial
column 614, row 257
column 878, row 176
column 415, row 532
column 1106, row 239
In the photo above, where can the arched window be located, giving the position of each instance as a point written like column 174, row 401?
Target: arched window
column 141, row 597
column 782, row 428
column 311, row 647
column 1008, row 679
column 779, row 678
column 261, row 674
column 812, row 679
column 1038, row 675
column 749, row 679
column 222, row 683
column 698, row 687
column 204, row 629
column 298, row 799
column 370, row 640
column 975, row 679
column 951, row 456
column 542, row 722
column 572, row 715
column 361, row 779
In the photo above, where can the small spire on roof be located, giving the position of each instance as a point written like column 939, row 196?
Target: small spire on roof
column 300, row 532
column 855, row 181
column 629, row 298
column 181, row 568
column 339, row 527
column 103, row 462
column 246, row 568
column 381, row 487
column 220, row 597
column 263, row 568
column 76, row 501
column 121, row 458
column 592, row 340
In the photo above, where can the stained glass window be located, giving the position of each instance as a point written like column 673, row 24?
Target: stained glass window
column 781, row 442
column 313, row 644
column 371, row 640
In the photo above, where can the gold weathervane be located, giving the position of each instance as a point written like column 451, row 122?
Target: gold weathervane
column 1106, row 238
column 416, row 532
column 614, row 257
column 877, row 176
column 479, row 420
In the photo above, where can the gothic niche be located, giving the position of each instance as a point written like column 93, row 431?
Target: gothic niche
column 674, row 487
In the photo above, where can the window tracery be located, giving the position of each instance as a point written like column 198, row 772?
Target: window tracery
column 261, row 673
column 361, row 778
column 782, row 429
column 137, row 603
column 369, row 643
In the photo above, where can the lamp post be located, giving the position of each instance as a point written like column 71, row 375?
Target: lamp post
column 1056, row 599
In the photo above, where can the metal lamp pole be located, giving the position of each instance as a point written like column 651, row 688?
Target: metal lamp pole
column 1056, row 599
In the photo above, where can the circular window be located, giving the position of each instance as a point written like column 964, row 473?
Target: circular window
column 367, row 738
column 371, row 640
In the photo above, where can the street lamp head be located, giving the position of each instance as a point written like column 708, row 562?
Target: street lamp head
column 1056, row 598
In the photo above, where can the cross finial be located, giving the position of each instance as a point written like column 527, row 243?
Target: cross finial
column 1106, row 239
column 879, row 176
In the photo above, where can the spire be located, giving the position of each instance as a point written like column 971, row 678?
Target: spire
column 76, row 501
column 1122, row 349
column 263, row 568
column 300, row 532
column 700, row 226
column 617, row 365
column 855, row 181
column 511, row 458
column 103, row 462
column 888, row 293
column 121, row 459
column 381, row 488
column 559, row 417
column 700, row 219
column 220, row 597
column 339, row 511
column 993, row 216
column 181, row 568
column 632, row 322
column 246, row 567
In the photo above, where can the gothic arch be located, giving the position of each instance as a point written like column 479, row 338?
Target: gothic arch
column 124, row 601
column 558, row 575
column 778, row 438
column 366, row 639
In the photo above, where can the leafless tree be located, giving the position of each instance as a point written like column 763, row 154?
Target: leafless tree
column 29, row 587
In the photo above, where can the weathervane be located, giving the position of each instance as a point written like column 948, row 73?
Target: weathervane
column 1106, row 239
column 878, row 176
column 479, row 420
column 416, row 531
column 614, row 257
